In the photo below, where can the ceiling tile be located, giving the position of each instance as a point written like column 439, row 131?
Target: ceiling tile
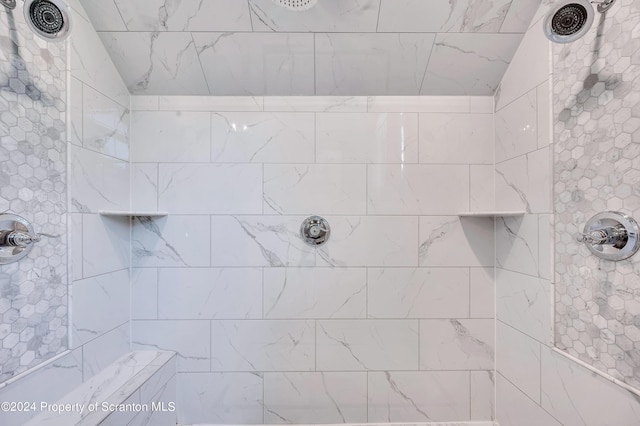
column 326, row 16
column 257, row 63
column 519, row 16
column 442, row 15
column 371, row 64
column 468, row 64
column 185, row 15
column 104, row 15
column 156, row 63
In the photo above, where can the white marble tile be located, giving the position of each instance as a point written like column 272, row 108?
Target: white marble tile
column 90, row 63
column 410, row 189
column 210, row 188
column 171, row 241
column 343, row 16
column 528, row 69
column 106, row 244
column 79, row 9
column 97, row 182
column 166, row 398
column 514, row 408
column 119, row 418
column 154, row 63
column 518, row 359
column 455, row 241
column 160, row 136
column 418, row 396
column 263, row 137
column 524, row 303
column 157, row 381
column 371, row 241
column 259, row 241
column 315, row 188
column 517, row 244
column 315, row 293
column 210, row 103
column 144, row 293
column 189, row 339
column 104, row 15
column 316, row 103
column 519, row 16
column 482, row 195
column 545, row 246
column 418, row 293
column 75, row 246
column 102, row 351
column 187, row 15
column 370, row 64
column 545, row 115
column 100, row 304
column 481, row 104
column 272, row 345
column 456, row 138
column 75, row 111
column 257, row 63
column 48, row 384
column 360, row 345
column 315, row 398
column 457, row 344
column 144, row 103
column 367, row 138
column 482, row 389
column 524, row 183
column 516, row 128
column 441, row 16
column 225, row 398
column 418, row 104
column 144, row 187
column 454, row 55
column 203, row 293
column 576, row 396
column 105, row 125
column 482, row 293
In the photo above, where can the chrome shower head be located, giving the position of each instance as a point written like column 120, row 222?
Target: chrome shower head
column 296, row 5
column 49, row 19
column 568, row 21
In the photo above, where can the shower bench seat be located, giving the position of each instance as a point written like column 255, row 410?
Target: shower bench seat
column 137, row 389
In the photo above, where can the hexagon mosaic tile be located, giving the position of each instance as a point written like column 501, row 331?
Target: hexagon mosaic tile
column 597, row 167
column 33, row 292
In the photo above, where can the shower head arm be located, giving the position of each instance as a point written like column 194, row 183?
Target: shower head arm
column 9, row 4
column 604, row 5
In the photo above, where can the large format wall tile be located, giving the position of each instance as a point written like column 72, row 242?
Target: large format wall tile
column 263, row 345
column 417, row 189
column 159, row 136
column 105, row 125
column 315, row 397
column 102, row 351
column 371, row 241
column 259, row 241
column 516, row 128
column 514, row 408
column 355, row 345
column 226, row 398
column 457, row 344
column 315, row 188
column 418, row 292
column 180, row 190
column 518, row 359
column 517, row 244
column 263, row 137
column 315, row 293
column 105, row 243
column 203, row 293
column 367, row 138
column 482, row 389
column 418, row 396
column 456, row 138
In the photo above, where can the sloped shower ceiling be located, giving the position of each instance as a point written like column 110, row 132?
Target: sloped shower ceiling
column 340, row 47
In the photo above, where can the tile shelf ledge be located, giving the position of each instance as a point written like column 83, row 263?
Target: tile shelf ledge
column 492, row 214
column 129, row 213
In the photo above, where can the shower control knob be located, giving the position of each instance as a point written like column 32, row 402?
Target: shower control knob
column 611, row 236
column 17, row 238
column 315, row 231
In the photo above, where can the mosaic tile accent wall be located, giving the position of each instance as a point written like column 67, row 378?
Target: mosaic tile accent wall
column 597, row 167
column 33, row 302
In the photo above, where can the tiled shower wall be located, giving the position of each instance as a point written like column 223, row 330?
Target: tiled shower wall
column 536, row 385
column 98, row 248
column 391, row 320
column 33, row 293
column 597, row 131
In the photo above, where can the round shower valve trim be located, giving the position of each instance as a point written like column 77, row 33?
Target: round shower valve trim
column 315, row 231
column 611, row 236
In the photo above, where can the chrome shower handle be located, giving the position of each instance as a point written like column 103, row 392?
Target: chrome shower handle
column 608, row 235
column 17, row 238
